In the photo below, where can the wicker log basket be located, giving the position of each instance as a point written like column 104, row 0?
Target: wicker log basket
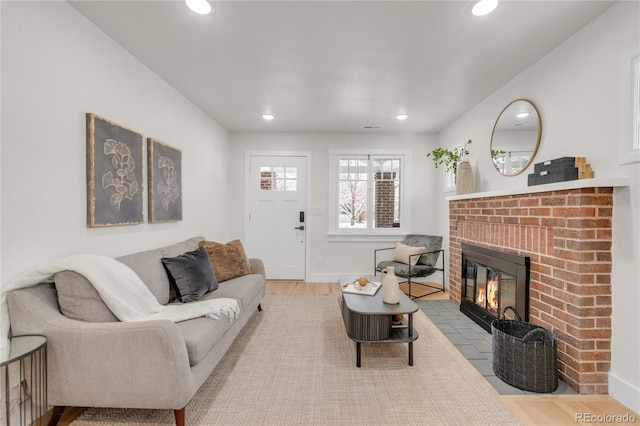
column 524, row 355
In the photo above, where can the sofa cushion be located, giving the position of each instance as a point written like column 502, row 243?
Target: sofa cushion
column 402, row 269
column 407, row 254
column 148, row 266
column 229, row 260
column 200, row 334
column 79, row 300
column 191, row 274
column 181, row 247
column 243, row 289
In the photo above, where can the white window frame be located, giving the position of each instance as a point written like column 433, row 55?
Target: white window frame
column 629, row 133
column 375, row 234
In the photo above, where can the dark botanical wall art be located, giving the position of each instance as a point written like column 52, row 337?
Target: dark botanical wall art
column 165, row 182
column 114, row 174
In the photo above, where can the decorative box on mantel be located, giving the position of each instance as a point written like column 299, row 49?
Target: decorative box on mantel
column 566, row 230
column 560, row 170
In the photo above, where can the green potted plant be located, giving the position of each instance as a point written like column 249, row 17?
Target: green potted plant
column 450, row 158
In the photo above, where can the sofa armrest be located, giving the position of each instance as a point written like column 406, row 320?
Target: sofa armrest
column 257, row 267
column 134, row 364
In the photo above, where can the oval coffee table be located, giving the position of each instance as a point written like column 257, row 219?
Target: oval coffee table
column 368, row 319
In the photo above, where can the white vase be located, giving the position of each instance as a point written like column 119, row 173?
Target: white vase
column 390, row 287
column 464, row 179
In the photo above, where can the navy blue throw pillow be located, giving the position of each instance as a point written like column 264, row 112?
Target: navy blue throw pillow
column 191, row 274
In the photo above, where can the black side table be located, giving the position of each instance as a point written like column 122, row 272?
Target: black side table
column 23, row 365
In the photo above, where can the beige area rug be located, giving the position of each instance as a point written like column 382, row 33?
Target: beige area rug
column 293, row 364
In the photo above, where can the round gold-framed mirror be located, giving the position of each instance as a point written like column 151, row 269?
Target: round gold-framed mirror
column 516, row 137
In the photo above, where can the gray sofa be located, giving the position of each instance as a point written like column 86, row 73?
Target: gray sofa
column 94, row 360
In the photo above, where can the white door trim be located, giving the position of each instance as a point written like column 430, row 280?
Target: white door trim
column 308, row 217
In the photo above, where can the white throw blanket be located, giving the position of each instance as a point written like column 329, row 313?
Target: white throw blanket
column 124, row 292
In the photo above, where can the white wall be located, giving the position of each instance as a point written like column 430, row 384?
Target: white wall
column 575, row 87
column 339, row 258
column 57, row 66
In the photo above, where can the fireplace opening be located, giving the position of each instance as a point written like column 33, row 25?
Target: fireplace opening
column 491, row 281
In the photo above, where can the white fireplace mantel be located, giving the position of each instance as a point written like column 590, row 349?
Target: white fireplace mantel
column 559, row 186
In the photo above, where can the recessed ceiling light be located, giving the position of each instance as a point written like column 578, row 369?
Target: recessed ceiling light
column 523, row 114
column 268, row 117
column 484, row 7
column 199, row 6
column 402, row 116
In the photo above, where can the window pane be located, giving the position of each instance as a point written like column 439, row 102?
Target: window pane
column 352, row 204
column 291, row 172
column 353, row 199
column 265, row 178
column 291, row 185
column 386, row 195
column 279, row 185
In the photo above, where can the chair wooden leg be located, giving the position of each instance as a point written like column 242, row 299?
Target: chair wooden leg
column 179, row 414
column 56, row 414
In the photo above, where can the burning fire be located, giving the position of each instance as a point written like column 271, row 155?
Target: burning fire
column 492, row 291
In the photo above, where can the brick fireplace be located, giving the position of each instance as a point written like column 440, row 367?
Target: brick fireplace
column 567, row 236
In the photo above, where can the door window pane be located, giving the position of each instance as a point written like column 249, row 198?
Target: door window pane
column 275, row 178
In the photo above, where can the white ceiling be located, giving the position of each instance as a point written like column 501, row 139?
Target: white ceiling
column 338, row 66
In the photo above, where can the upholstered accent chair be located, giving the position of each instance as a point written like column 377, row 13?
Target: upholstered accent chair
column 411, row 263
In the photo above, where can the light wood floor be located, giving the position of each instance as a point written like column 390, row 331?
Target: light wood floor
column 538, row 410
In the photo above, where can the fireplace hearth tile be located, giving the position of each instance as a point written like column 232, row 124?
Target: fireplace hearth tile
column 470, row 352
column 472, row 334
column 482, row 345
column 437, row 319
column 446, row 328
column 459, row 324
column 484, row 366
column 450, row 315
column 456, row 339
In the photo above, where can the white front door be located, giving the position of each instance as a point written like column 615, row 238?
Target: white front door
column 276, row 214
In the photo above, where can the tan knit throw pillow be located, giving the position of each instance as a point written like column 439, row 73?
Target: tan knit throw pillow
column 403, row 251
column 228, row 260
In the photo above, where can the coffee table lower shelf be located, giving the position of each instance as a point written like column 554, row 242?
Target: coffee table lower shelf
column 377, row 328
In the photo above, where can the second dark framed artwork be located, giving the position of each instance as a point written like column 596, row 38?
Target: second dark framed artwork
column 165, row 182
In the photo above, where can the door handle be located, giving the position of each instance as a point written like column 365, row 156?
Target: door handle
column 301, row 227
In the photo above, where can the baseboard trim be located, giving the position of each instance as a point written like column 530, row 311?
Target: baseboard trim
column 624, row 392
column 331, row 278
column 334, row 277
